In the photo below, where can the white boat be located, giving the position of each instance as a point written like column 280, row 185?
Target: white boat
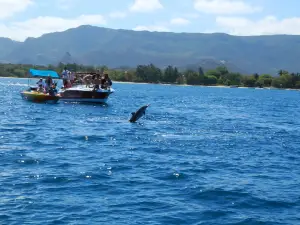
column 81, row 93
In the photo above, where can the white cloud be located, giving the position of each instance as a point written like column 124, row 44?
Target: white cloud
column 179, row 21
column 41, row 25
column 151, row 28
column 145, row 6
column 223, row 7
column 10, row 7
column 267, row 26
column 117, row 15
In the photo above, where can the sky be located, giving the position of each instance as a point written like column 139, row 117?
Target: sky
column 20, row 19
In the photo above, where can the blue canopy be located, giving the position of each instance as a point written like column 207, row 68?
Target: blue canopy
column 43, row 73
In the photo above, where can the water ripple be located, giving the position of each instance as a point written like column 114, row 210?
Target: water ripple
column 208, row 156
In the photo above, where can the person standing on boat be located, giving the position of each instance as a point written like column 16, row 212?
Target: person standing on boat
column 72, row 77
column 65, row 77
column 48, row 82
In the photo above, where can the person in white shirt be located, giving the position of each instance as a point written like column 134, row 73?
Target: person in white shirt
column 40, row 82
column 65, row 77
column 41, row 85
column 72, row 77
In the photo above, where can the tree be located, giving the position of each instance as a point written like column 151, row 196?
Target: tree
column 223, row 70
column 231, row 79
column 214, row 73
column 154, row 74
column 249, row 81
column 210, row 80
column 200, row 71
column 51, row 67
column 265, row 80
column 283, row 81
column 141, row 73
column 192, row 77
column 170, row 75
column 181, row 79
column 282, row 72
column 148, row 73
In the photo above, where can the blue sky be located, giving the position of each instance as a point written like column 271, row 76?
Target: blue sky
column 20, row 19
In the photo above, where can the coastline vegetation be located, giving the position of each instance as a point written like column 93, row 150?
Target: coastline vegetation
column 170, row 75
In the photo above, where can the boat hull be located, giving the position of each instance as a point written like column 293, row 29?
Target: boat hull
column 39, row 97
column 84, row 100
column 87, row 95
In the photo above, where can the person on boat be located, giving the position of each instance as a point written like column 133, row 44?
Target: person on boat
column 52, row 90
column 40, row 82
column 106, row 82
column 65, row 77
column 87, row 80
column 68, row 83
column 72, row 77
column 78, row 79
column 48, row 83
column 41, row 88
column 97, row 82
column 107, row 79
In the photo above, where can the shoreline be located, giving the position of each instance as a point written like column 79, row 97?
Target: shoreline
column 183, row 85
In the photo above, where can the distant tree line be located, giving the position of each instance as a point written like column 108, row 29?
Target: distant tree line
column 171, row 75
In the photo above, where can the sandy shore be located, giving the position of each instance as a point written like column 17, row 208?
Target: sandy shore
column 127, row 82
column 182, row 85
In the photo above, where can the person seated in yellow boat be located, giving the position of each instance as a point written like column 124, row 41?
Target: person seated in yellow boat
column 52, row 90
column 41, row 88
column 40, row 82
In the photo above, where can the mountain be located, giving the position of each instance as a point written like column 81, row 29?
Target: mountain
column 6, row 46
column 114, row 48
column 68, row 59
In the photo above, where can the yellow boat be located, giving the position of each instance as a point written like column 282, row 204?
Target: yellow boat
column 33, row 95
column 39, row 97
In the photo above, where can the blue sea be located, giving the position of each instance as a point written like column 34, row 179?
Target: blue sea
column 201, row 155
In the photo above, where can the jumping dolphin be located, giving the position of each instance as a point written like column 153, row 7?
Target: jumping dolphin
column 138, row 114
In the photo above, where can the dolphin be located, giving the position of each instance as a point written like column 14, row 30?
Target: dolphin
column 138, row 114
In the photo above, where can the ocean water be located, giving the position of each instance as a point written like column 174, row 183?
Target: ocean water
column 200, row 156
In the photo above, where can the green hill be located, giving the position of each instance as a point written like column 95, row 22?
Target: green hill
column 114, row 48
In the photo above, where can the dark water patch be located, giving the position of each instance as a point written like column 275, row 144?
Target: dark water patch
column 225, row 196
column 54, row 179
column 255, row 202
column 29, row 161
column 252, row 221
